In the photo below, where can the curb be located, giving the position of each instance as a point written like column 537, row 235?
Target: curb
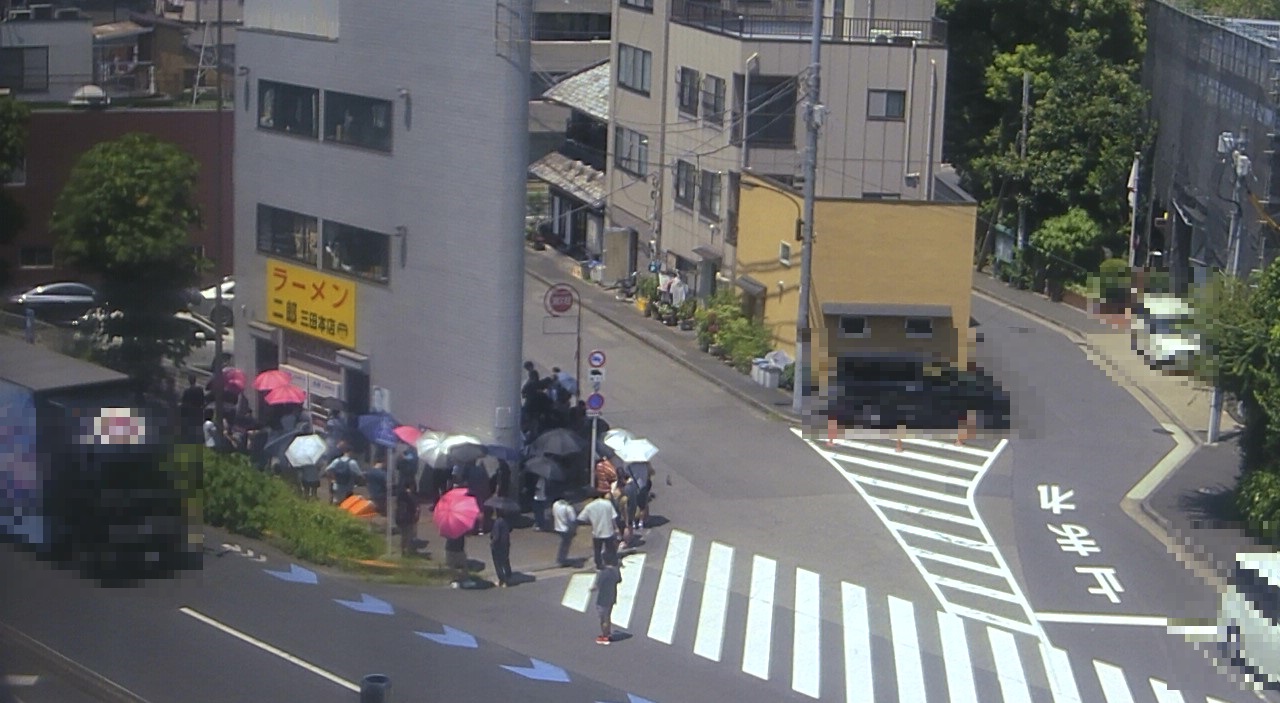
column 763, row 407
column 87, row 680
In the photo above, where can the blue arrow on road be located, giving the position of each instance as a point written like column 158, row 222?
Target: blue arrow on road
column 633, row 698
column 368, row 604
column 540, row 671
column 452, row 637
column 295, row 574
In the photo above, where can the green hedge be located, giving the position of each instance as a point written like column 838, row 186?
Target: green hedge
column 249, row 502
column 1258, row 500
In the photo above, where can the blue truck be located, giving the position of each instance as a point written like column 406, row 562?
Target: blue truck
column 87, row 472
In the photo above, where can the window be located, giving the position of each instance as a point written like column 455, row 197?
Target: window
column 685, row 187
column 886, row 104
column 25, row 69
column 853, row 326
column 688, row 81
column 645, row 5
column 358, row 121
column 633, row 68
column 771, row 112
column 631, row 151
column 570, row 26
column 288, row 108
column 712, row 186
column 713, row 99
column 288, row 234
column 881, row 196
column 17, row 176
column 35, row 257
column 784, row 253
column 919, row 327
column 357, row 252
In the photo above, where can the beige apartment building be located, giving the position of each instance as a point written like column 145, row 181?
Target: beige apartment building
column 681, row 70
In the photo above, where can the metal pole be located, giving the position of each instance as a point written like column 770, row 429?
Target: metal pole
column 391, row 500
column 746, row 104
column 800, row 388
column 217, row 226
column 577, row 354
column 1240, row 165
column 1133, row 216
column 591, row 475
column 1022, row 150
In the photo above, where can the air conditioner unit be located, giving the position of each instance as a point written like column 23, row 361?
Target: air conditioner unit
column 41, row 12
column 19, row 15
column 66, row 13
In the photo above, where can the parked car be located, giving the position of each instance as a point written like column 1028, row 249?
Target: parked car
column 201, row 329
column 58, row 303
column 205, row 302
column 1162, row 332
column 1249, row 614
column 886, row 394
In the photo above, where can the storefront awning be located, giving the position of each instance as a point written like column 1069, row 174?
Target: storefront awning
column 573, row 177
column 886, row 310
column 751, row 286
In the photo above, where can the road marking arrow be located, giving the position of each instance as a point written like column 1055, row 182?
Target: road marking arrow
column 633, row 698
column 295, row 574
column 21, row 680
column 368, row 604
column 452, row 637
column 231, row 547
column 540, row 671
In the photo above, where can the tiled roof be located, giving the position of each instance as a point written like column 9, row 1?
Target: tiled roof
column 573, row 177
column 586, row 91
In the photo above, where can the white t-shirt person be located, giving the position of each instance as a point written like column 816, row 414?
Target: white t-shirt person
column 210, row 434
column 603, row 518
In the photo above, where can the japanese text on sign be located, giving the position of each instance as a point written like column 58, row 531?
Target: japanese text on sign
column 311, row 302
column 1076, row 539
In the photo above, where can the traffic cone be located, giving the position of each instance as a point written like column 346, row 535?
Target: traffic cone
column 902, row 431
column 833, row 430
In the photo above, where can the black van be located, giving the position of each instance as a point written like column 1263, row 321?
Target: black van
column 891, row 392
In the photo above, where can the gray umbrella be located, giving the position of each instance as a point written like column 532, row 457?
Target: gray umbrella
column 463, row 454
column 545, row 467
column 558, row 442
column 502, row 504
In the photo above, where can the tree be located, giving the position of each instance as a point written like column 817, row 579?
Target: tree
column 14, row 116
column 125, row 214
column 1066, row 246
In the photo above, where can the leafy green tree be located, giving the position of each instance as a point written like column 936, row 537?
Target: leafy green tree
column 14, row 116
column 1067, row 246
column 125, row 215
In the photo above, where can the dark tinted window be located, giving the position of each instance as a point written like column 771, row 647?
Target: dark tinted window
column 1262, row 595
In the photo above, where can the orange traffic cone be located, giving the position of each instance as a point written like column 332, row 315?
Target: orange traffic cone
column 833, row 431
column 902, row 431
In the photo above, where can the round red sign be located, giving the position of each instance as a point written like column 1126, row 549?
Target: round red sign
column 559, row 299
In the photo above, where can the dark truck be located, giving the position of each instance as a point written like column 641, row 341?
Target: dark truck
column 886, row 393
column 87, row 473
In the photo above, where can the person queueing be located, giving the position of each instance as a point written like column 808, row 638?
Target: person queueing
column 408, row 511
column 500, row 549
column 343, row 472
column 603, row 518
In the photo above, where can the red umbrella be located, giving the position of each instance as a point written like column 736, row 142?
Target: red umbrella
column 408, row 435
column 285, row 395
column 233, row 380
column 271, row 380
column 455, row 513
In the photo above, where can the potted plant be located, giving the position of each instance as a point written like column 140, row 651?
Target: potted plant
column 646, row 293
column 707, row 328
column 688, row 309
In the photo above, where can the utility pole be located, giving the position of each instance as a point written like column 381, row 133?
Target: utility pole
column 217, row 224
column 813, row 121
column 1232, row 148
column 1022, row 153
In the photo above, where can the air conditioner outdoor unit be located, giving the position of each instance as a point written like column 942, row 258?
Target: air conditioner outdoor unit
column 66, row 13
column 19, row 15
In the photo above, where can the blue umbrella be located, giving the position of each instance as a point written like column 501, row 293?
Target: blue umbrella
column 379, row 428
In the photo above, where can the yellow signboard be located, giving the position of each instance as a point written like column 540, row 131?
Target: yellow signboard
column 311, row 302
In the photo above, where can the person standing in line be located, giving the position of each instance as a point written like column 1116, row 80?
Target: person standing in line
column 540, row 505
column 191, row 408
column 565, row 521
column 500, row 549
column 603, row 518
column 210, row 430
column 606, row 590
column 455, row 558
column 407, row 514
column 343, row 472
column 309, row 478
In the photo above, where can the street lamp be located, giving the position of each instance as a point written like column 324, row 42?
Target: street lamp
column 1230, row 148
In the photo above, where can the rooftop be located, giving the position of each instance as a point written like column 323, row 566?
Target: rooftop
column 573, row 177
column 709, row 15
column 586, row 91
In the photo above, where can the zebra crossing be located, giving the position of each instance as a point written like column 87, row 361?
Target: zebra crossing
column 923, row 491
column 834, row 640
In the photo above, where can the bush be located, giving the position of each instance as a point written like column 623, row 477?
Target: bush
column 1258, row 500
column 787, row 379
column 239, row 497
column 647, row 287
column 321, row 533
column 744, row 341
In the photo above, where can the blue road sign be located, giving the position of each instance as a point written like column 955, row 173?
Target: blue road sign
column 595, row 401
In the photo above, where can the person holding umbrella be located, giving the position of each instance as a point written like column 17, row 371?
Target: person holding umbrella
column 408, row 511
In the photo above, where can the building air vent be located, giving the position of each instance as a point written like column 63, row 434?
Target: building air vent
column 41, row 12
column 19, row 15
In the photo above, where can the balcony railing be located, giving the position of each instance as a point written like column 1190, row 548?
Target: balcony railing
column 761, row 25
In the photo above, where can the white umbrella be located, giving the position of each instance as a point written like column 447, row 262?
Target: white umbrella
column 616, row 439
column 567, row 382
column 305, row 450
column 428, row 441
column 637, row 451
column 437, row 456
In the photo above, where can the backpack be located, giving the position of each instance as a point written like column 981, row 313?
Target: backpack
column 344, row 474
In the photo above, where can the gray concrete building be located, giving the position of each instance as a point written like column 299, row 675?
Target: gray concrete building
column 681, row 71
column 379, row 205
column 568, row 36
column 46, row 54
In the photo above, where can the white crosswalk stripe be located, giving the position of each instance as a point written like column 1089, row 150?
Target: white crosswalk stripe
column 704, row 579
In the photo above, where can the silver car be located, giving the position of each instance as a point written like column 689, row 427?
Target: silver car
column 56, row 302
column 1250, row 614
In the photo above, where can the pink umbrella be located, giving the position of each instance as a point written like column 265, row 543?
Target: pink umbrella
column 271, row 380
column 408, row 435
column 455, row 513
column 285, row 395
column 233, row 380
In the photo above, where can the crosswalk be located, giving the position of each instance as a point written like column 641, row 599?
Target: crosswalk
column 923, row 491
column 834, row 640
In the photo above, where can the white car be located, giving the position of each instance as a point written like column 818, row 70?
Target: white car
column 203, row 334
column 1162, row 333
column 206, row 302
column 1250, row 615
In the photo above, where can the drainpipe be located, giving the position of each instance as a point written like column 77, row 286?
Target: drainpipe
column 911, row 91
column 933, row 128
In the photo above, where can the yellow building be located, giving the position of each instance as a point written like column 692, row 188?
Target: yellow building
column 891, row 279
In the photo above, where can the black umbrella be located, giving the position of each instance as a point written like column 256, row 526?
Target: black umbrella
column 558, row 442
column 502, row 504
column 463, row 454
column 545, row 467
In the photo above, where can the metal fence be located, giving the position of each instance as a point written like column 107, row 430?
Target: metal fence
column 1209, row 75
column 56, row 339
column 768, row 24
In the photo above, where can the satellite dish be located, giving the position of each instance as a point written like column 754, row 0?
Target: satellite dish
column 90, row 96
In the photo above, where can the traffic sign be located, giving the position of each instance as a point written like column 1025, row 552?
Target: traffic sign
column 559, row 299
column 596, row 359
column 595, row 402
column 595, row 377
